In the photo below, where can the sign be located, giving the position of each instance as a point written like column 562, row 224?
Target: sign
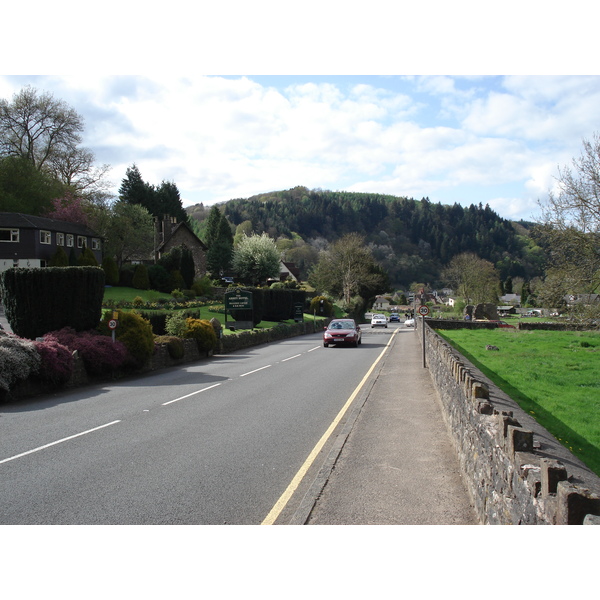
column 112, row 324
column 238, row 300
column 298, row 312
column 423, row 311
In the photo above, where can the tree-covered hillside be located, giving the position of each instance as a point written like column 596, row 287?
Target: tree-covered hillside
column 411, row 239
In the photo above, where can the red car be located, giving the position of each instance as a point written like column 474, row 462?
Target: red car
column 342, row 331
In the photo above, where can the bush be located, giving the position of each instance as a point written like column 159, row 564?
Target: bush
column 202, row 287
column 159, row 279
column 203, row 332
column 111, row 271
column 174, row 345
column 98, row 352
column 315, row 306
column 141, row 280
column 18, row 360
column 135, row 332
column 56, row 361
column 176, row 325
column 37, row 301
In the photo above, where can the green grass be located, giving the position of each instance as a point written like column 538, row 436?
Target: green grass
column 555, row 376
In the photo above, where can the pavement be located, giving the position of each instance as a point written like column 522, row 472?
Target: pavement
column 394, row 462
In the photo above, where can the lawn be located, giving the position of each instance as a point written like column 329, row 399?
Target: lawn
column 555, row 376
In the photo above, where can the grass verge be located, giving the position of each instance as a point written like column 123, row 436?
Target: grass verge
column 555, row 376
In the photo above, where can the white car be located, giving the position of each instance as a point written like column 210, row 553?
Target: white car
column 409, row 323
column 378, row 321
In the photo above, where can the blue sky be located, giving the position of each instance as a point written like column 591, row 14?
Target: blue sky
column 409, row 131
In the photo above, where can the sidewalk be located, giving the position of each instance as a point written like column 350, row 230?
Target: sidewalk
column 397, row 465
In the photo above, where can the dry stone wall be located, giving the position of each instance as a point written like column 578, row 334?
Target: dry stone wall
column 516, row 471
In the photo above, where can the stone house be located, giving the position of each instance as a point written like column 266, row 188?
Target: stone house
column 169, row 234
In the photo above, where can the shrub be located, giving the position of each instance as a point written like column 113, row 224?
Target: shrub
column 159, row 278
column 138, row 301
column 174, row 345
column 141, row 280
column 87, row 258
column 18, row 360
column 202, row 287
column 57, row 361
column 203, row 332
column 98, row 352
column 135, row 332
column 176, row 325
column 111, row 271
column 315, row 306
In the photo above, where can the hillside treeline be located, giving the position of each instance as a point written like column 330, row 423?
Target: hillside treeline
column 413, row 240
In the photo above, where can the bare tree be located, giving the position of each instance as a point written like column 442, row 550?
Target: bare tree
column 47, row 133
column 570, row 229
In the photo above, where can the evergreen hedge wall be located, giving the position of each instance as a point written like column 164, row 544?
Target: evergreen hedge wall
column 37, row 301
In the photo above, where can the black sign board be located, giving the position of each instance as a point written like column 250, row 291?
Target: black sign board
column 238, row 300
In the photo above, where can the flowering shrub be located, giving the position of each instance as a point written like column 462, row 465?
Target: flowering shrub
column 18, row 360
column 203, row 332
column 57, row 361
column 98, row 352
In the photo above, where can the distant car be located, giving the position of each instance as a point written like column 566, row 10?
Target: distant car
column 227, row 280
column 342, row 331
column 409, row 323
column 378, row 321
column 394, row 318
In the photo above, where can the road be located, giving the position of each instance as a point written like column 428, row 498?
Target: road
column 216, row 442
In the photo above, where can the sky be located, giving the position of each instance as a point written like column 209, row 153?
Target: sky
column 221, row 132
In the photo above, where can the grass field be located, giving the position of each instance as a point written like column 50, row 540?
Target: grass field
column 555, row 376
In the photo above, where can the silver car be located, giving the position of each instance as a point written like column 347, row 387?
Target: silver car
column 379, row 321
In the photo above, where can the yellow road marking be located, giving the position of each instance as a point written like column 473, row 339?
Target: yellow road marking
column 285, row 497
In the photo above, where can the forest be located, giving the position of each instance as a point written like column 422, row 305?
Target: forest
column 412, row 240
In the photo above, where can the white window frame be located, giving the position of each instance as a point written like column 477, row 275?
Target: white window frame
column 14, row 235
column 45, row 236
column 70, row 240
column 81, row 241
column 60, row 239
column 95, row 244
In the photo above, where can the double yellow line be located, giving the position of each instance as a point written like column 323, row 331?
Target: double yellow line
column 285, row 497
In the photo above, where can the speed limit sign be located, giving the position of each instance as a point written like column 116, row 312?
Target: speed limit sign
column 112, row 324
column 423, row 311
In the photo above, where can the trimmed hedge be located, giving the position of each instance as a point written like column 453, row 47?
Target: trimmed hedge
column 37, row 301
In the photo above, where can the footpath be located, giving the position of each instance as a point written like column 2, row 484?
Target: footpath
column 394, row 463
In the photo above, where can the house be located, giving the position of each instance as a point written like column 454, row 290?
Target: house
column 288, row 270
column 381, row 303
column 169, row 234
column 30, row 241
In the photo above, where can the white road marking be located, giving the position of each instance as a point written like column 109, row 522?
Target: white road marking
column 290, row 358
column 255, row 371
column 57, row 442
column 313, row 349
column 210, row 387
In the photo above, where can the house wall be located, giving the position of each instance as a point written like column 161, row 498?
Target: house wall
column 184, row 236
column 30, row 252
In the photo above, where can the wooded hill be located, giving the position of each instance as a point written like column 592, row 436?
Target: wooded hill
column 412, row 239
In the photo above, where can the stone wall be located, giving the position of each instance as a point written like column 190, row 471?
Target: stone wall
column 516, row 471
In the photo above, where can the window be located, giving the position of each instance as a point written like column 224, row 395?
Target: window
column 60, row 239
column 81, row 241
column 95, row 244
column 70, row 240
column 45, row 237
column 9, row 235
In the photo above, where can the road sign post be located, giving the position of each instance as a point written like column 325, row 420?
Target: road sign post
column 423, row 311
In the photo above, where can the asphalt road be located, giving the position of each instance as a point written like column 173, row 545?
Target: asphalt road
column 217, row 442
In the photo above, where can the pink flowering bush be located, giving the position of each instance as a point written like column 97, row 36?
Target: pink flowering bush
column 99, row 353
column 57, row 361
column 18, row 361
